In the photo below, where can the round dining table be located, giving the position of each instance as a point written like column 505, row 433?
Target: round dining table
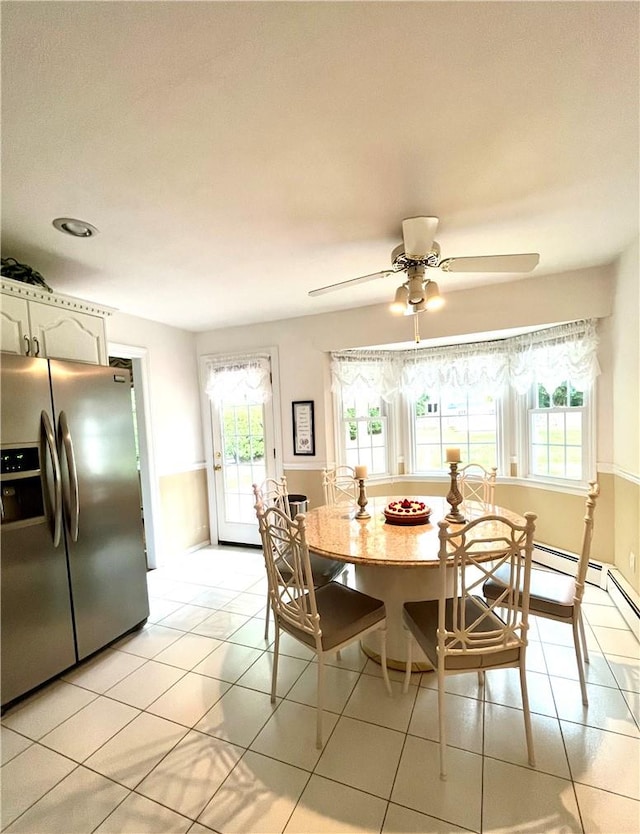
column 395, row 563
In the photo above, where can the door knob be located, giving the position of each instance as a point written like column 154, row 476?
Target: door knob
column 218, row 467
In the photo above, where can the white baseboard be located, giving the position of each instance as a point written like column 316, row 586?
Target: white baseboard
column 625, row 599
column 604, row 576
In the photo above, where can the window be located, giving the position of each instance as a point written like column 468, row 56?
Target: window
column 467, row 419
column 528, row 396
column 364, row 433
column 557, row 432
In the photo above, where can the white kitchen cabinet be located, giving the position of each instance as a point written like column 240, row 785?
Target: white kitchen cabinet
column 37, row 323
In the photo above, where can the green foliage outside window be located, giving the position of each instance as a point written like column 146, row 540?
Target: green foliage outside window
column 559, row 398
column 243, row 434
column 373, row 426
column 421, row 405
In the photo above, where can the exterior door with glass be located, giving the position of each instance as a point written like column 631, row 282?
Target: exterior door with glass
column 243, row 454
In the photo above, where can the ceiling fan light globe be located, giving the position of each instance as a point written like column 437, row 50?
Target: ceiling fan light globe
column 435, row 304
column 433, row 300
column 399, row 304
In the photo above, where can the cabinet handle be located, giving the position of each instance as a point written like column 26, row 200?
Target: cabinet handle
column 37, row 344
column 27, row 350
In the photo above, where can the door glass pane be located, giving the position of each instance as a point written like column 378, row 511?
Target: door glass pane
column 244, row 464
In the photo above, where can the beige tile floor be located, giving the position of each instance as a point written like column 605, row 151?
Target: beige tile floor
column 171, row 730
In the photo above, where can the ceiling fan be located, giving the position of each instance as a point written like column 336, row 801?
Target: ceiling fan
column 419, row 252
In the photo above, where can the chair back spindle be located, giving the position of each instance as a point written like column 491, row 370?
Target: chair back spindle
column 339, row 485
column 477, row 483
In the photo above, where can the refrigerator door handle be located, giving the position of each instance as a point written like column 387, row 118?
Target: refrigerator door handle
column 73, row 505
column 57, row 480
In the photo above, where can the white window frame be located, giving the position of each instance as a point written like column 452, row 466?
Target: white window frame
column 339, row 433
column 526, row 354
column 588, row 437
column 499, row 445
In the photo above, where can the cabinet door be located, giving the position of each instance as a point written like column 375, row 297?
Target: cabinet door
column 67, row 334
column 14, row 330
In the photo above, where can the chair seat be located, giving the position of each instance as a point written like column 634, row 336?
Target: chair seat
column 323, row 570
column 551, row 594
column 344, row 612
column 421, row 619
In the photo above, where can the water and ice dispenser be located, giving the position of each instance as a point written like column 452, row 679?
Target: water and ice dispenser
column 20, row 485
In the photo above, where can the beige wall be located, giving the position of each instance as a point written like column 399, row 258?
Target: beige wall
column 302, row 346
column 173, row 388
column 185, row 514
column 626, row 414
column 303, row 343
column 180, row 514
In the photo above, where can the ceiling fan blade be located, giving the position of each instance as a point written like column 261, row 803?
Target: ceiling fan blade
column 418, row 234
column 352, row 282
column 492, row 263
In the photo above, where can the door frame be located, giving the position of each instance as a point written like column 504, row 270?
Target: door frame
column 207, row 423
column 148, row 481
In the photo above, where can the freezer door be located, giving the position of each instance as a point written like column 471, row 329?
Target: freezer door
column 35, row 605
column 101, row 492
column 37, row 627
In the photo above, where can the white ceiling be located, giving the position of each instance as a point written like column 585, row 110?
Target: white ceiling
column 237, row 155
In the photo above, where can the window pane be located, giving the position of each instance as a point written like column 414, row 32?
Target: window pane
column 466, row 419
column 378, row 457
column 365, row 434
column 429, row 458
column 564, row 439
column 574, row 428
column 559, row 397
column 453, row 430
column 540, row 428
column 540, row 460
column 556, row 428
column 485, row 455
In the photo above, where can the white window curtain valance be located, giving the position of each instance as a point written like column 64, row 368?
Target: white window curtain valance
column 479, row 365
column 369, row 374
column 238, row 378
column 551, row 357
column 548, row 356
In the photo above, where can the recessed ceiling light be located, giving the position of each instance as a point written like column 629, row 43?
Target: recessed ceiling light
column 76, row 228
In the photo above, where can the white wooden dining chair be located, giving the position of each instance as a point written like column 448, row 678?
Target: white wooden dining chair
column 559, row 597
column 324, row 619
column 477, row 483
column 339, row 485
column 463, row 632
column 273, row 493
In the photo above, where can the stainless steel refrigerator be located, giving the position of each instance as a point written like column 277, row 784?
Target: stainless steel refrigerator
column 72, row 561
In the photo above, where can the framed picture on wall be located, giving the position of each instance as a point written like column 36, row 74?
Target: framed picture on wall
column 304, row 440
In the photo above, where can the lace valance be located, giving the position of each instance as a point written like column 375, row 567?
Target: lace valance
column 553, row 356
column 240, row 378
column 548, row 356
column 366, row 373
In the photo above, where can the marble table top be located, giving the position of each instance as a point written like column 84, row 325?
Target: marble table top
column 333, row 531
